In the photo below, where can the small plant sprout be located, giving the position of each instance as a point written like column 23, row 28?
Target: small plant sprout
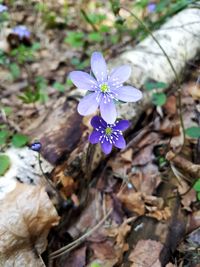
column 104, row 89
column 108, row 135
column 22, row 32
column 3, row 8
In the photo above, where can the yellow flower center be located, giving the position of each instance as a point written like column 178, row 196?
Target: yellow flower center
column 108, row 131
column 104, row 88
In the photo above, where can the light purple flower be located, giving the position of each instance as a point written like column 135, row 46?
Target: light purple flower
column 3, row 8
column 22, row 31
column 104, row 89
column 108, row 134
column 151, row 7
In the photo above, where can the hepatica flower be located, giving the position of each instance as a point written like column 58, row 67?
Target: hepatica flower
column 22, row 31
column 151, row 7
column 3, row 8
column 108, row 135
column 104, row 88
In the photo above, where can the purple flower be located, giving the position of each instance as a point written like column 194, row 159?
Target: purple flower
column 108, row 134
column 151, row 7
column 104, row 89
column 22, row 31
column 3, row 8
column 36, row 146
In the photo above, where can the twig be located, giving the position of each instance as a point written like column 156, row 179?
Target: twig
column 193, row 170
column 75, row 243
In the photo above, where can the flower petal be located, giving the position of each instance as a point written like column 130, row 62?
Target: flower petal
column 120, row 142
column 98, row 121
column 128, row 94
column 94, row 137
column 108, row 111
column 88, row 104
column 106, row 146
column 121, row 125
column 83, row 80
column 119, row 75
column 98, row 66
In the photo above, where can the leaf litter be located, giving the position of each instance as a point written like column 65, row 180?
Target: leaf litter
column 134, row 183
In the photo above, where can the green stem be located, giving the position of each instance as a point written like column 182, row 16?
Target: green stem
column 86, row 17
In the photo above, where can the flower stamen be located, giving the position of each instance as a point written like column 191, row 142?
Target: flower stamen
column 104, row 88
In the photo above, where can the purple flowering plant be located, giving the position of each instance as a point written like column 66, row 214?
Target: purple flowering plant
column 108, row 135
column 151, row 7
column 104, row 90
column 3, row 8
column 22, row 31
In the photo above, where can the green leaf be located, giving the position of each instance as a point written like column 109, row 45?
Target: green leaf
column 36, row 46
column 7, row 110
column 29, row 96
column 3, row 136
column 193, row 132
column 95, row 264
column 19, row 140
column 197, row 186
column 154, row 85
column 104, row 28
column 198, row 196
column 15, row 70
column 69, row 82
column 114, row 38
column 75, row 39
column 95, row 36
column 4, row 164
column 59, row 86
column 79, row 64
column 159, row 99
column 96, row 18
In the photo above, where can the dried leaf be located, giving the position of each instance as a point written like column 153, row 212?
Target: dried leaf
column 119, row 233
column 27, row 215
column 133, row 201
column 146, row 254
column 170, row 105
column 76, row 258
column 104, row 250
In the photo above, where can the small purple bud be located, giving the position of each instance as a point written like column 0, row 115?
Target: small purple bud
column 151, row 7
column 22, row 31
column 36, row 146
column 3, row 8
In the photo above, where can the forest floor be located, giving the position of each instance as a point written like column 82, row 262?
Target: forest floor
column 140, row 206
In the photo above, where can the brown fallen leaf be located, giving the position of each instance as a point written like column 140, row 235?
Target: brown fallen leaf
column 140, row 203
column 170, row 105
column 27, row 215
column 194, row 90
column 170, row 265
column 120, row 233
column 160, row 215
column 133, row 201
column 127, row 155
column 104, row 250
column 146, row 254
column 76, row 258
